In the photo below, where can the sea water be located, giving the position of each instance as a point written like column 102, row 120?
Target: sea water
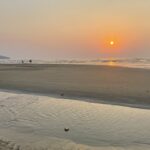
column 34, row 121
column 125, row 62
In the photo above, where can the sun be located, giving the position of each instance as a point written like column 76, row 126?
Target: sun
column 111, row 42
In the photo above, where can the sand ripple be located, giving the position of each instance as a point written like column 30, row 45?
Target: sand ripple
column 38, row 122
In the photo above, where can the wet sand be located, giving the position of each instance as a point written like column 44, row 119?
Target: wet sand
column 117, row 85
column 34, row 122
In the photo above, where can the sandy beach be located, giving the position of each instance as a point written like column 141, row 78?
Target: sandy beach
column 39, row 101
column 108, row 83
column 34, row 122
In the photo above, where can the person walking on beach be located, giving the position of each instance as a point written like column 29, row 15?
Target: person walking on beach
column 30, row 61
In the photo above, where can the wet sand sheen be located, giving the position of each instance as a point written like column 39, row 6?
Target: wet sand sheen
column 94, row 83
column 39, row 121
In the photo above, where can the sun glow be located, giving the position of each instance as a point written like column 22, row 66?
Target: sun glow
column 112, row 42
column 113, row 45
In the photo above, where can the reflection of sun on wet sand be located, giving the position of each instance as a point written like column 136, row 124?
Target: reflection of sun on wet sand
column 113, row 84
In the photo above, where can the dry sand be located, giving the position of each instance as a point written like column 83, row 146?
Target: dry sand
column 94, row 83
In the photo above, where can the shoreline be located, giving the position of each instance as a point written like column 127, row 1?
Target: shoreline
column 96, row 84
column 82, row 99
column 75, row 64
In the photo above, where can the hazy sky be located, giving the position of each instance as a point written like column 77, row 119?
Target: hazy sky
column 58, row 29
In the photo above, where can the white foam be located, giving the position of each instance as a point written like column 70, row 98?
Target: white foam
column 128, row 62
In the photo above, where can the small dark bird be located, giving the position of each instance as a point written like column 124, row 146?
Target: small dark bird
column 66, row 129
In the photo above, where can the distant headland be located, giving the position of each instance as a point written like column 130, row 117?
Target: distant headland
column 4, row 57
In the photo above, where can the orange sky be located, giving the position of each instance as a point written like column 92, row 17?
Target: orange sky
column 57, row 29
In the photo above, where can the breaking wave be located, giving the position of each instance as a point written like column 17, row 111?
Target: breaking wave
column 130, row 62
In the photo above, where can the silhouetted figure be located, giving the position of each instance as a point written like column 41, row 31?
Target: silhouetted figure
column 66, row 129
column 22, row 62
column 30, row 61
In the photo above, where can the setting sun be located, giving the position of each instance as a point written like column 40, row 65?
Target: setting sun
column 112, row 42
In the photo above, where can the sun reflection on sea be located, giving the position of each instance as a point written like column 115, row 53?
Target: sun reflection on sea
column 112, row 62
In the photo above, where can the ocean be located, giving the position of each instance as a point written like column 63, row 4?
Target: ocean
column 128, row 62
